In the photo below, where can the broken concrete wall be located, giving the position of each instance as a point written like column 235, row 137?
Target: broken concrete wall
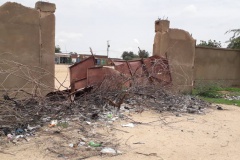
column 193, row 66
column 27, row 46
column 178, row 47
column 217, row 65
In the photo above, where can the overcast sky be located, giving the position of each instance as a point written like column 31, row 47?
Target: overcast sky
column 81, row 24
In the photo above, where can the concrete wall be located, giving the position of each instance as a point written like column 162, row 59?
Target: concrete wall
column 27, row 45
column 193, row 66
column 217, row 65
column 179, row 47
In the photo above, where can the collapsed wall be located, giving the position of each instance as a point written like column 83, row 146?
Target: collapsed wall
column 27, row 46
column 178, row 47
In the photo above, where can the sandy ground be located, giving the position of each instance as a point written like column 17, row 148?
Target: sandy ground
column 62, row 76
column 214, row 136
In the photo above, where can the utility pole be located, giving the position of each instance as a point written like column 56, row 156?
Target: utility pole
column 139, row 49
column 91, row 51
column 108, row 46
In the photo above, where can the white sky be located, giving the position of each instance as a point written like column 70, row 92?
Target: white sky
column 81, row 24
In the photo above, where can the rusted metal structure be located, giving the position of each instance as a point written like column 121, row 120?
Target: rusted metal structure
column 78, row 73
column 86, row 73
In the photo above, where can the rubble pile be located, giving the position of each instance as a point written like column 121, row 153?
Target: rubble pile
column 78, row 120
column 91, row 106
column 231, row 97
column 164, row 100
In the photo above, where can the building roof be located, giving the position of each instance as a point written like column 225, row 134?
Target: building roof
column 62, row 54
column 97, row 56
column 87, row 55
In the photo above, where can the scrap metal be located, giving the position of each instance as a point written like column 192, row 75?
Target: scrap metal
column 88, row 73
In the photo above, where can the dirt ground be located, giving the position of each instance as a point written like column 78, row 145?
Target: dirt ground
column 215, row 135
column 62, row 76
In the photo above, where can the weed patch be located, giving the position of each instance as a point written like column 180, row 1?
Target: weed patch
column 216, row 94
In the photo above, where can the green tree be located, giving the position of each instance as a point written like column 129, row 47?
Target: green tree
column 129, row 55
column 58, row 49
column 234, row 41
column 210, row 43
column 143, row 54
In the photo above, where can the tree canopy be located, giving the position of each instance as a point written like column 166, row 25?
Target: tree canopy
column 143, row 54
column 210, row 43
column 129, row 55
column 58, row 49
column 234, row 41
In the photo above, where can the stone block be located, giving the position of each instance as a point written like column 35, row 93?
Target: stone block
column 45, row 6
column 162, row 25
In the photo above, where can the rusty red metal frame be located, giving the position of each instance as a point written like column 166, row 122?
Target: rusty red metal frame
column 86, row 73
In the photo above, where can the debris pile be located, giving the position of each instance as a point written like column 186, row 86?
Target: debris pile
column 98, row 104
column 82, row 110
column 77, row 121
column 231, row 97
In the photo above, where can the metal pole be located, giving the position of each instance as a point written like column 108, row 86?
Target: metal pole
column 108, row 46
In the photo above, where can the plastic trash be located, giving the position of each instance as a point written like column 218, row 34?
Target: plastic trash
column 81, row 144
column 108, row 150
column 32, row 128
column 46, row 119
column 93, row 144
column 84, row 139
column 19, row 136
column 10, row 136
column 109, row 115
column 89, row 123
column 53, row 123
column 19, row 131
column 114, row 119
column 131, row 125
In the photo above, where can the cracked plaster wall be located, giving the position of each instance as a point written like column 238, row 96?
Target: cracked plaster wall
column 27, row 38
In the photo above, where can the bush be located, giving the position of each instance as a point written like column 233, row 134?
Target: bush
column 209, row 90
